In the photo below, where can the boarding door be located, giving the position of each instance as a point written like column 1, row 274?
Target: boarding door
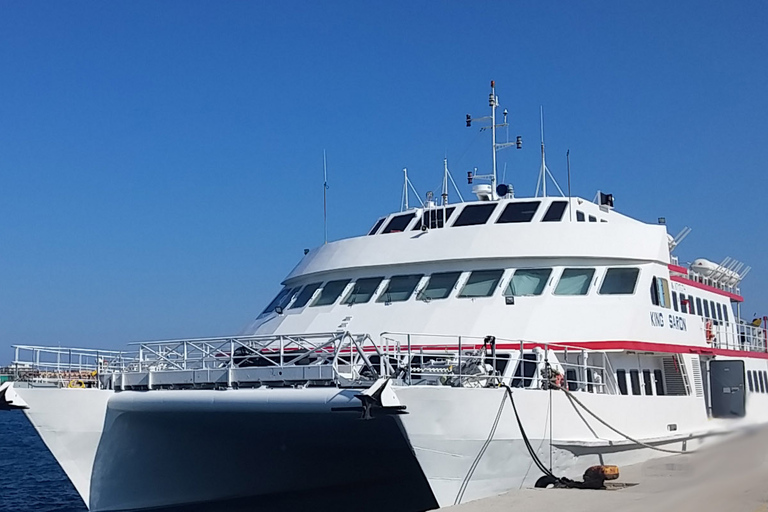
column 726, row 380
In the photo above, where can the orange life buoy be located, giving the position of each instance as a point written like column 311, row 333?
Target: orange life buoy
column 709, row 333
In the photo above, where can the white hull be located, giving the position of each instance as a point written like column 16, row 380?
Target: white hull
column 277, row 447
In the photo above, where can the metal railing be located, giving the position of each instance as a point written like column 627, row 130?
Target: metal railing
column 66, row 366
column 741, row 336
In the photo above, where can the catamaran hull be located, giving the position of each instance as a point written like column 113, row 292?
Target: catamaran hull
column 277, row 449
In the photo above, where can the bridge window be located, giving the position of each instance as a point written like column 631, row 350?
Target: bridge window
column 376, row 226
column 619, row 281
column 575, row 281
column 399, row 223
column 400, row 288
column 481, row 283
column 282, row 298
column 579, row 216
column 519, row 212
column 439, row 286
column 434, row 218
column 305, row 295
column 474, row 214
column 330, row 292
column 592, row 218
column 555, row 212
column 363, row 290
column 528, row 281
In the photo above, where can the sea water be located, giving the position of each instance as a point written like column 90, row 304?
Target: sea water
column 30, row 478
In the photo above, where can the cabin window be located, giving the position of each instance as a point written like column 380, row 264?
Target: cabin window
column 725, row 313
column 282, row 298
column 698, row 306
column 363, row 290
column 528, row 281
column 706, row 309
column 762, row 381
column 579, row 216
column 686, row 304
column 571, row 379
column 519, row 212
column 400, row 288
column 749, row 380
column 525, row 371
column 674, row 300
column 439, row 286
column 330, row 292
column 621, row 380
column 647, row 382
column 434, row 218
column 592, row 218
column 712, row 309
column 376, row 226
column 575, row 281
column 619, row 281
column 555, row 212
column 481, row 283
column 765, row 378
column 305, row 295
column 634, row 379
column 474, row 214
column 658, row 379
column 719, row 312
column 399, row 223
column 660, row 292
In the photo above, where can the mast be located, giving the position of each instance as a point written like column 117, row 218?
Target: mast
column 325, row 199
column 493, row 102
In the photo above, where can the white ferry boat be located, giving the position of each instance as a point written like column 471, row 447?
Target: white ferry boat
column 455, row 351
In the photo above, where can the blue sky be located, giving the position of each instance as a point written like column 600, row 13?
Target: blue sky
column 161, row 162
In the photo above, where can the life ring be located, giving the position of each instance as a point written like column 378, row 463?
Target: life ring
column 76, row 384
column 709, row 332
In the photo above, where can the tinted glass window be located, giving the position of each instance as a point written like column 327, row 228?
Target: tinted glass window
column 555, row 212
column 725, row 314
column 621, row 380
column 575, row 281
column 619, row 281
column 658, row 379
column 592, row 219
column 634, row 378
column 439, row 286
column 330, row 292
column 481, row 283
column 719, row 312
column 376, row 226
column 399, row 223
column 706, row 309
column 305, row 295
column 528, row 281
column 712, row 310
column 400, row 288
column 762, row 382
column 474, row 214
column 579, row 216
column 433, row 218
column 519, row 212
column 363, row 290
column 674, row 300
column 280, row 300
column 698, row 306
column 749, row 379
column 647, row 382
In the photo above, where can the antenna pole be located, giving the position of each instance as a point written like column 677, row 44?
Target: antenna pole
column 543, row 160
column 570, row 206
column 325, row 199
column 404, row 203
column 493, row 102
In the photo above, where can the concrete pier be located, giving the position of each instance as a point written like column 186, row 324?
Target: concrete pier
column 731, row 476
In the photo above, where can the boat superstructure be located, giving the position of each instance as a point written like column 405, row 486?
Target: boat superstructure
column 444, row 356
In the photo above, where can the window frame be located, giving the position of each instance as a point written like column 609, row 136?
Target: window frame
column 589, row 282
column 316, row 285
column 377, row 226
column 345, row 300
column 512, row 204
column 420, row 294
column 396, row 218
column 490, row 206
column 337, row 296
column 492, row 290
column 514, row 273
column 608, row 271
column 558, row 205
column 382, row 296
